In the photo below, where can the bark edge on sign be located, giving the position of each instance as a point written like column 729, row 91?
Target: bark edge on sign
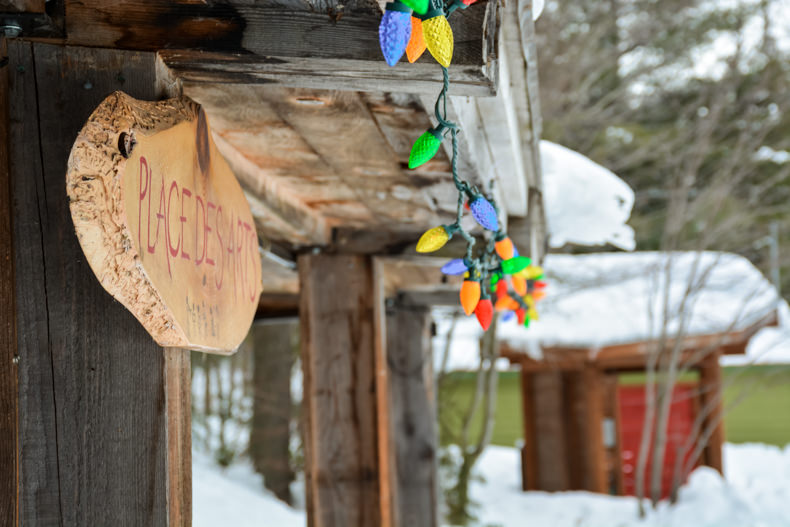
column 95, row 186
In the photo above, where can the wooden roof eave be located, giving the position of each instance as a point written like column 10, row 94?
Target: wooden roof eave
column 633, row 355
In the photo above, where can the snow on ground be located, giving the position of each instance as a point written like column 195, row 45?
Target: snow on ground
column 603, row 299
column 756, row 493
column 235, row 497
column 586, row 204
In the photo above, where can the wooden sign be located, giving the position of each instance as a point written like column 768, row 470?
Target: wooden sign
column 163, row 222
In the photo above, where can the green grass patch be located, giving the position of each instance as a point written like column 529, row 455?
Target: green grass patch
column 756, row 401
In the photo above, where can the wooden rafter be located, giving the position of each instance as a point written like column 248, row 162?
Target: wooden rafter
column 312, row 44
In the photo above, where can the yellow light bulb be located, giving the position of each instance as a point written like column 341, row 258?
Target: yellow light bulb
column 439, row 39
column 433, row 239
column 531, row 273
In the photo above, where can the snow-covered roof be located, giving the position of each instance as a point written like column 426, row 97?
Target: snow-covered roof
column 604, row 299
column 586, row 204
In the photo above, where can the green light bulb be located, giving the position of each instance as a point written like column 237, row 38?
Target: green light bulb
column 425, row 147
column 419, row 6
column 515, row 265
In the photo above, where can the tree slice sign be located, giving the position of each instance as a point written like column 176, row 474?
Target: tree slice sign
column 163, row 222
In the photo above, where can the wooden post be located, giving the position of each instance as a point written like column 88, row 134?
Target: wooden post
column 595, row 453
column 274, row 355
column 413, row 414
column 710, row 385
column 103, row 411
column 529, row 452
column 340, row 422
column 552, row 469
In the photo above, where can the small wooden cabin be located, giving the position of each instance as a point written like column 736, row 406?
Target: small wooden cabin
column 582, row 426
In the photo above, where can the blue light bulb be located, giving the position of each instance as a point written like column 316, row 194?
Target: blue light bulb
column 395, row 31
column 507, row 316
column 484, row 213
column 455, row 267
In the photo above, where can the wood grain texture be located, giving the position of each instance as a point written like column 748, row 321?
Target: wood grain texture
column 9, row 396
column 388, row 487
column 337, row 346
column 93, row 442
column 178, row 392
column 413, row 415
column 303, row 45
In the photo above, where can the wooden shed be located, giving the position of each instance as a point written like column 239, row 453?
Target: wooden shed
column 94, row 415
column 582, row 426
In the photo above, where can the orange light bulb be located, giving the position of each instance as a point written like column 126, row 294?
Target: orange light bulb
column 506, row 304
column 504, row 248
column 519, row 285
column 470, row 295
column 416, row 46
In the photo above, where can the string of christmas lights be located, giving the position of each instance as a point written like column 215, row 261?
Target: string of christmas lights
column 411, row 27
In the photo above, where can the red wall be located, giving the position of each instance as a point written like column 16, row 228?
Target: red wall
column 631, row 400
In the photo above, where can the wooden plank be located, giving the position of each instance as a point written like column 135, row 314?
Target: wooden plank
column 279, row 215
column 9, row 396
column 338, row 357
column 388, row 469
column 93, row 424
column 336, row 47
column 595, row 453
column 552, row 466
column 529, row 452
column 413, row 414
column 178, row 393
column 574, row 421
column 711, row 395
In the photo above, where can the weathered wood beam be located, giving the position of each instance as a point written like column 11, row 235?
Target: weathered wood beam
column 95, row 436
column 331, row 46
column 279, row 216
column 337, row 324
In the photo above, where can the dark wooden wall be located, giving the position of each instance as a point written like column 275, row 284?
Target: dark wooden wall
column 563, row 414
column 93, row 442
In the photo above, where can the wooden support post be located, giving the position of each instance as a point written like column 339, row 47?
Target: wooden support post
column 711, row 393
column 413, row 414
column 103, row 411
column 274, row 354
column 529, row 452
column 340, row 422
column 552, row 469
column 595, row 454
